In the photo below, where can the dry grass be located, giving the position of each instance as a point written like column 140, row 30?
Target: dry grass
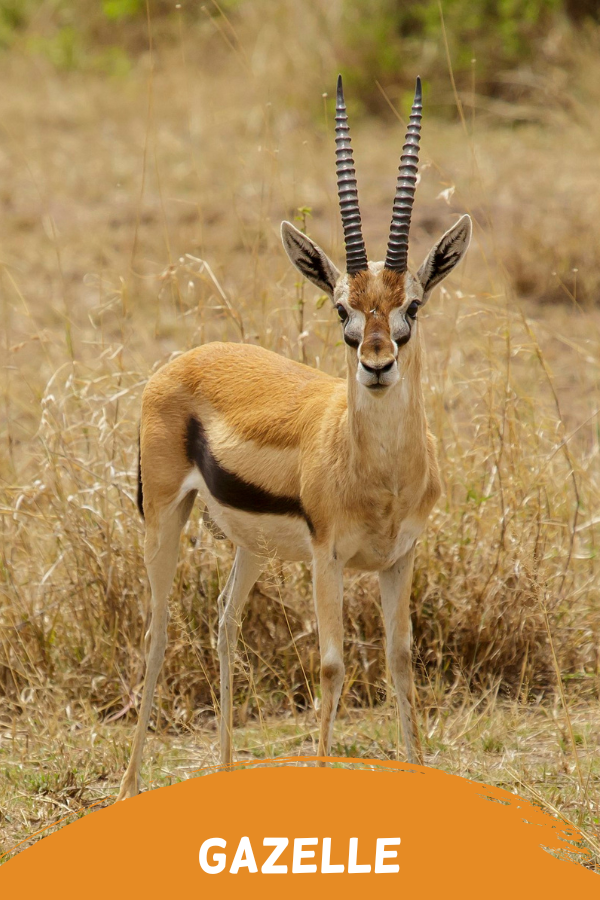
column 139, row 218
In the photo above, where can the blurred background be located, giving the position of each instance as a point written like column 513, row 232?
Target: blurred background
column 148, row 153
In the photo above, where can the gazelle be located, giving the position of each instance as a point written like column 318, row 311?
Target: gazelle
column 295, row 463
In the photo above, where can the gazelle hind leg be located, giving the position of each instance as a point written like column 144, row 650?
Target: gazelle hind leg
column 395, row 584
column 244, row 573
column 160, row 555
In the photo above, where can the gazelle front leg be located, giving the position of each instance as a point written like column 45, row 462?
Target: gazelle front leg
column 328, row 591
column 395, row 584
column 245, row 570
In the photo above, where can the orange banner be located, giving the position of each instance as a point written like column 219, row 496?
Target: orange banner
column 398, row 828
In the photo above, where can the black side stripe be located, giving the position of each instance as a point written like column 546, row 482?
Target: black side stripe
column 140, row 489
column 230, row 489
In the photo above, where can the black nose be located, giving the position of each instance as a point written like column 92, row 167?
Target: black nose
column 378, row 370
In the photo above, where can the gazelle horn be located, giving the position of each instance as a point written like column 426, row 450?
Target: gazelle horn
column 356, row 254
column 397, row 249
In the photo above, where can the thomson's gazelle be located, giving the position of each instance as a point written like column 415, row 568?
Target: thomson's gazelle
column 339, row 473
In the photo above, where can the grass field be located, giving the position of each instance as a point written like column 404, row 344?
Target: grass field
column 139, row 216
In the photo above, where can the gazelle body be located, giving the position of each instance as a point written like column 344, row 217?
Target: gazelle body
column 296, row 464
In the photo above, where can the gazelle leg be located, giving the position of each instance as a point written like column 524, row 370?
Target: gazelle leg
column 246, row 569
column 328, row 590
column 395, row 584
column 160, row 554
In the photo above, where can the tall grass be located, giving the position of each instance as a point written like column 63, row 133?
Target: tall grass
column 512, row 541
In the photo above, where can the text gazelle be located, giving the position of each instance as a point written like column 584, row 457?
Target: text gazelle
column 304, row 857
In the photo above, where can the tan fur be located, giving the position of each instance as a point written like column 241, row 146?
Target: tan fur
column 383, row 293
column 376, row 298
column 361, row 463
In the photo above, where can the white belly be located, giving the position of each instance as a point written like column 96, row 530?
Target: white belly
column 284, row 537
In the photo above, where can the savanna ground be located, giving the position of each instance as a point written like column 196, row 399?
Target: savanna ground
column 140, row 199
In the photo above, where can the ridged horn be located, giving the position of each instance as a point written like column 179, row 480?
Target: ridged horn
column 397, row 249
column 356, row 253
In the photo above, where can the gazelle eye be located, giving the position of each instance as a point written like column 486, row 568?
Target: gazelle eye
column 342, row 312
column 413, row 309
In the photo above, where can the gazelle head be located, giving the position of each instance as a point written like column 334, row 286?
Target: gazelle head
column 378, row 303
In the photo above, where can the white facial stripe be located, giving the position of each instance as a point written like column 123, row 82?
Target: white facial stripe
column 354, row 327
column 399, row 327
column 354, row 330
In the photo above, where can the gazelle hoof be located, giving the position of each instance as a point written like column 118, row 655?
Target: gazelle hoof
column 128, row 789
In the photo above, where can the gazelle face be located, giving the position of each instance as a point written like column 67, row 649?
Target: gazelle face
column 378, row 307
column 378, row 311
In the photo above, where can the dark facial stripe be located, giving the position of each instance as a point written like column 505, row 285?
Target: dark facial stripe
column 140, row 490
column 228, row 488
column 404, row 338
column 352, row 342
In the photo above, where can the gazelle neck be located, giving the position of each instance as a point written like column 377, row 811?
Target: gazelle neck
column 389, row 428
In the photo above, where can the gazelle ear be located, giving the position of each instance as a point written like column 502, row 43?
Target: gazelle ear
column 444, row 255
column 309, row 258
